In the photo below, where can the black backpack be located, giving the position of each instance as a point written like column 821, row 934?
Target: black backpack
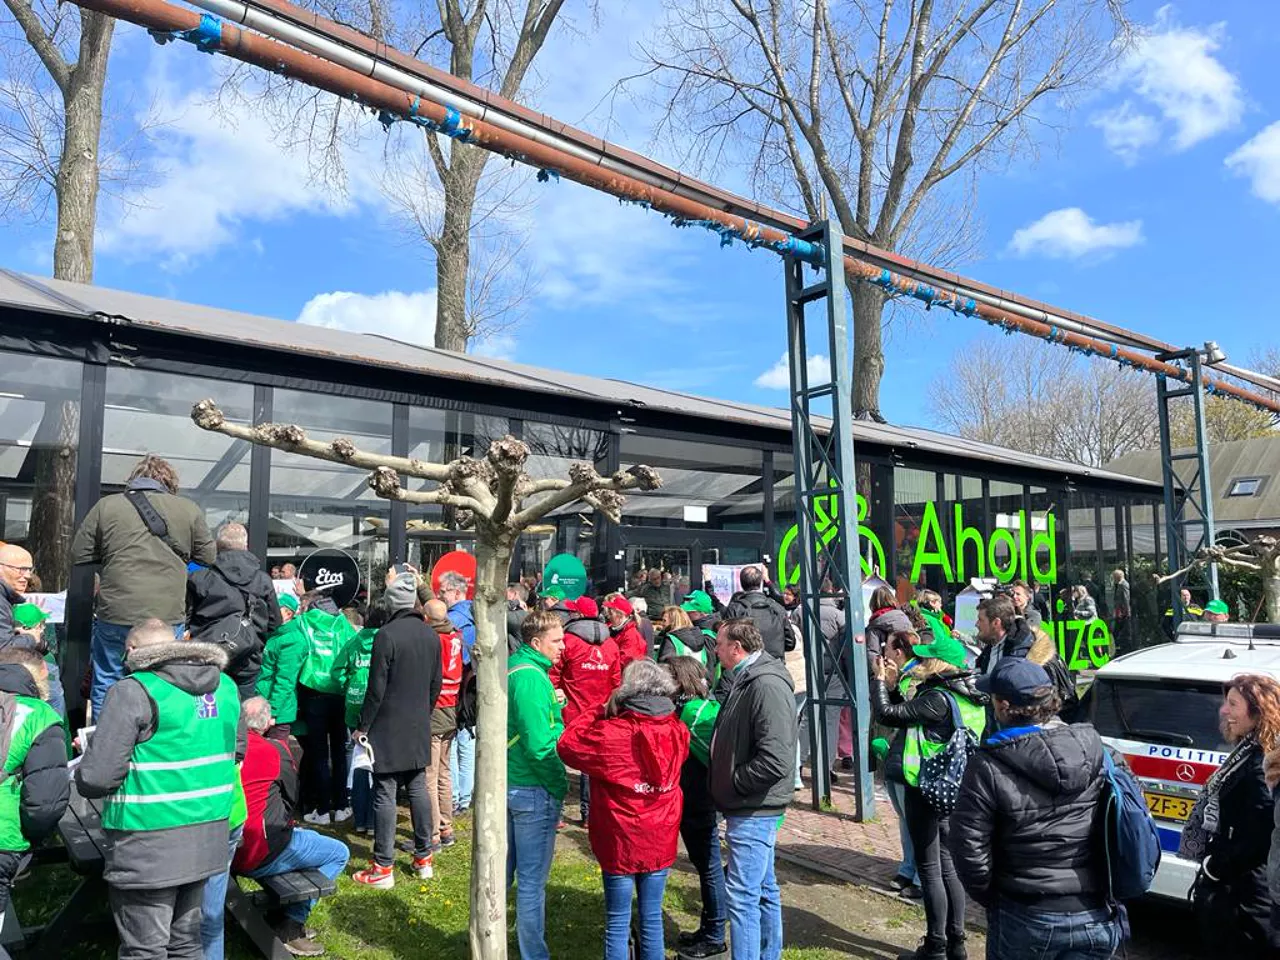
column 239, row 634
column 468, row 703
column 771, row 620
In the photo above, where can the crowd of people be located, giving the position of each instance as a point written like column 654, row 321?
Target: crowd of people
column 235, row 723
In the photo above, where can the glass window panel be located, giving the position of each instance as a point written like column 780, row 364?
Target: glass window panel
column 39, row 433
column 725, row 481
column 317, row 504
column 149, row 412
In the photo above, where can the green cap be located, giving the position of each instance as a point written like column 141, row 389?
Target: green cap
column 555, row 593
column 697, row 602
column 288, row 601
column 1213, row 606
column 945, row 648
column 29, row 616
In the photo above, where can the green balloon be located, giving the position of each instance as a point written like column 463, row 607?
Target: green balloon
column 566, row 571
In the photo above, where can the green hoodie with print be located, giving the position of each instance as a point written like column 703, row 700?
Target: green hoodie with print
column 534, row 725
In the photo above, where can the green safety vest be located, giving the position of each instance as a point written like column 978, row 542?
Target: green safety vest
column 326, row 634
column 186, row 773
column 701, row 656
column 919, row 748
column 31, row 718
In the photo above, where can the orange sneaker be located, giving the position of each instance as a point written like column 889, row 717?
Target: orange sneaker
column 423, row 867
column 376, row 875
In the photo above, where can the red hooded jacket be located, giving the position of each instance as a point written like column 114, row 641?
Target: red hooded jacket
column 589, row 670
column 634, row 762
column 631, row 643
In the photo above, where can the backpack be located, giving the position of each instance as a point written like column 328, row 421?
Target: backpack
column 239, row 634
column 1130, row 839
column 771, row 620
column 468, row 703
column 941, row 774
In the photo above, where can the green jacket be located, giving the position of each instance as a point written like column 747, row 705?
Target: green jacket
column 534, row 725
column 326, row 634
column 141, row 576
column 351, row 669
column 281, row 663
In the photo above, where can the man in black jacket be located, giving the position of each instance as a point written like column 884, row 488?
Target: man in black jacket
column 1025, row 830
column 233, row 603
column 404, row 683
column 753, row 754
column 754, row 603
column 1008, row 635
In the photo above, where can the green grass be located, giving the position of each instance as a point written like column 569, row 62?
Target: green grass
column 823, row 920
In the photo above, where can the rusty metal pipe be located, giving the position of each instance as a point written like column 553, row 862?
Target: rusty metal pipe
column 164, row 18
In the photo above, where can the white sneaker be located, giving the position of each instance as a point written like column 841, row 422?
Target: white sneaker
column 319, row 819
column 343, row 815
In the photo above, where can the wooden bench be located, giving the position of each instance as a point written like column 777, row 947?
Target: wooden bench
column 249, row 908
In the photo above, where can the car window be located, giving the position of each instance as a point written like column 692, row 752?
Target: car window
column 1179, row 713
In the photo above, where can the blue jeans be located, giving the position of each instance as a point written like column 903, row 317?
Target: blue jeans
column 897, row 800
column 213, row 908
column 755, row 903
column 362, row 799
column 462, row 768
column 648, row 889
column 307, row 850
column 532, row 815
column 1016, row 933
column 106, row 650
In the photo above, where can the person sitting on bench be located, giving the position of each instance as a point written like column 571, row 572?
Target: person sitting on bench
column 271, row 844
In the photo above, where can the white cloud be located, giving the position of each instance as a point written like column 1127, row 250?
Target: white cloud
column 1126, row 131
column 1173, row 69
column 410, row 317
column 778, row 377
column 499, row 346
column 1259, row 160
column 1070, row 233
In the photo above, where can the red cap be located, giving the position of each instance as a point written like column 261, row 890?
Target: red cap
column 587, row 607
column 570, row 605
column 621, row 604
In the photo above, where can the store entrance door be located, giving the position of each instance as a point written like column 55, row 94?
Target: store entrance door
column 678, row 555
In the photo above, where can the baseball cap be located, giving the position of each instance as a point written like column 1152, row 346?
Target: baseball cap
column 1217, row 606
column 945, row 647
column 588, row 607
column 1015, row 679
column 288, row 601
column 29, row 616
column 621, row 604
column 555, row 593
column 699, row 601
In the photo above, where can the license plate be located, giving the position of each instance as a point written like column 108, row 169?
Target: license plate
column 1169, row 808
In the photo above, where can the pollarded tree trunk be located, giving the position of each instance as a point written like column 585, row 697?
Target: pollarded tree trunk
column 1271, row 585
column 453, row 248
column 488, row 927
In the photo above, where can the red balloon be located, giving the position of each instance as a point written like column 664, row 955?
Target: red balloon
column 456, row 561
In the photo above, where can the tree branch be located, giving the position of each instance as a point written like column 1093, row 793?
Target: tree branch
column 41, row 42
column 585, row 483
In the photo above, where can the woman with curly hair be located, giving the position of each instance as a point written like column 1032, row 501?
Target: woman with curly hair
column 1229, row 830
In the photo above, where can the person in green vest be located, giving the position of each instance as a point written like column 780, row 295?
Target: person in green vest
column 924, row 724
column 536, row 780
column 282, row 660
column 322, row 709
column 679, row 637
column 35, row 790
column 698, row 710
column 163, row 761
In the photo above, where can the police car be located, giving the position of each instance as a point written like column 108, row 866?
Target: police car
column 1159, row 707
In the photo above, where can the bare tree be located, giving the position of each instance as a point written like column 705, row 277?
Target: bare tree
column 1225, row 419
column 1261, row 555
column 46, row 148
column 447, row 200
column 877, row 108
column 502, row 500
column 1043, row 400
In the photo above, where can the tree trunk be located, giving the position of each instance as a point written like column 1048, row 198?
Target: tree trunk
column 53, row 504
column 1271, row 585
column 868, row 348
column 78, row 170
column 489, row 849
column 453, row 250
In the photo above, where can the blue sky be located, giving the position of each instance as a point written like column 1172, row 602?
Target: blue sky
column 1157, row 209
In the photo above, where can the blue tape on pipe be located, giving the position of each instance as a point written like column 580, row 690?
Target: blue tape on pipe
column 207, row 35
column 1115, row 351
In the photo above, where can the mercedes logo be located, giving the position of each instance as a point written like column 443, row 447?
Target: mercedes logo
column 1186, row 772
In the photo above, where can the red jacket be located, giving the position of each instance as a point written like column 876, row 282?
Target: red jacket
column 634, row 762
column 269, row 776
column 631, row 643
column 589, row 670
column 450, row 667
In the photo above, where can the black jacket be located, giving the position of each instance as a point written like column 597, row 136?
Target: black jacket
column 515, row 620
column 1027, row 823
column 404, row 682
column 698, row 644
column 930, row 708
column 1237, row 854
column 233, row 585
column 1022, row 642
column 1017, row 643
column 753, row 748
column 45, row 790
column 768, row 616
